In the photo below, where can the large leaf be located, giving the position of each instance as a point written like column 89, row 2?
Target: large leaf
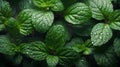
column 101, row 9
column 25, row 22
column 117, row 46
column 78, row 13
column 35, row 50
column 42, row 20
column 6, row 47
column 52, row 61
column 56, row 37
column 115, row 20
column 101, row 33
column 5, row 9
column 55, row 5
column 105, row 56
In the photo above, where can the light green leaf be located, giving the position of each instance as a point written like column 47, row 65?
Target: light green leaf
column 42, row 20
column 78, row 13
column 56, row 37
column 116, row 45
column 101, row 9
column 105, row 56
column 82, row 62
column 55, row 5
column 52, row 61
column 2, row 27
column 25, row 22
column 6, row 47
column 5, row 9
column 35, row 50
column 101, row 34
column 115, row 20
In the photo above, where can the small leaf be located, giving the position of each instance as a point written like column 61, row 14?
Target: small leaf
column 115, row 20
column 52, row 61
column 101, row 9
column 35, row 50
column 25, row 22
column 101, row 34
column 2, row 27
column 116, row 45
column 56, row 37
column 78, row 13
column 55, row 5
column 6, row 47
column 5, row 9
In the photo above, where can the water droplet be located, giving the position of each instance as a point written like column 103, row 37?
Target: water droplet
column 100, row 37
column 82, row 60
column 92, row 42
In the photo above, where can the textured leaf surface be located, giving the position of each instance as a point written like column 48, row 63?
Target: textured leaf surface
column 42, row 20
column 35, row 50
column 56, row 37
column 117, row 46
column 52, row 61
column 5, row 9
column 5, row 46
column 115, row 20
column 101, row 9
column 55, row 5
column 78, row 13
column 105, row 56
column 25, row 22
column 101, row 33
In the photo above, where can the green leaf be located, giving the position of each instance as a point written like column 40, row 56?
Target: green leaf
column 6, row 47
column 56, row 37
column 82, row 62
column 35, row 50
column 12, row 27
column 17, row 59
column 52, row 61
column 101, row 34
column 101, row 9
column 2, row 27
column 25, row 22
column 55, row 5
column 5, row 9
column 42, row 20
column 78, row 13
column 67, row 56
column 105, row 56
column 115, row 20
column 116, row 45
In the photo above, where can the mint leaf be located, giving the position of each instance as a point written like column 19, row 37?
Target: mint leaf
column 5, row 9
column 2, row 27
column 52, row 61
column 116, row 45
column 25, row 22
column 67, row 56
column 56, row 37
column 42, row 20
column 6, row 47
column 105, row 56
column 115, row 20
column 35, row 50
column 101, row 9
column 78, row 13
column 55, row 5
column 101, row 33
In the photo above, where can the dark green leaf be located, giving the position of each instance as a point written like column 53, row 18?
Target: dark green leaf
column 35, row 50
column 115, row 20
column 101, row 9
column 78, row 13
column 56, row 37
column 101, row 33
column 52, row 61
